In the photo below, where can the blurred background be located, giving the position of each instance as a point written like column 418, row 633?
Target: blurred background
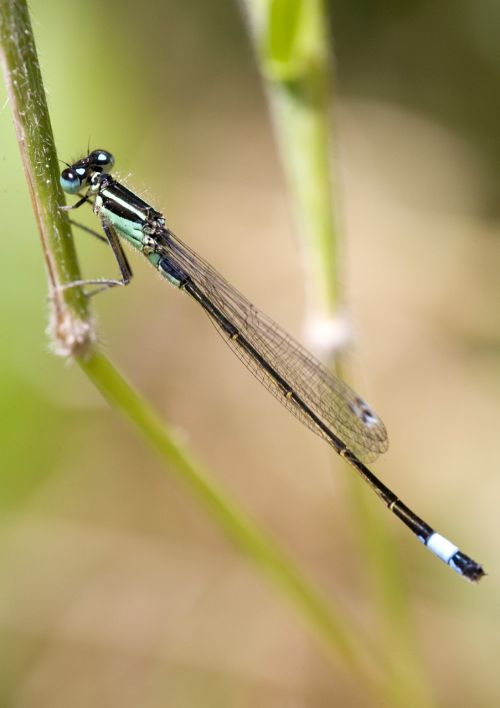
column 116, row 588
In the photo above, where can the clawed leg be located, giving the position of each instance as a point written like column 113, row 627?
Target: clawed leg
column 76, row 205
column 102, row 282
column 113, row 240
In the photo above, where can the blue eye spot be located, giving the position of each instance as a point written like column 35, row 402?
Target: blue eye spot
column 102, row 159
column 70, row 181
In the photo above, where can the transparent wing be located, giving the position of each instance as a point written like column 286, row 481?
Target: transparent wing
column 333, row 401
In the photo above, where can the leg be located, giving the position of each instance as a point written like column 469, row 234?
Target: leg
column 69, row 207
column 119, row 254
column 89, row 231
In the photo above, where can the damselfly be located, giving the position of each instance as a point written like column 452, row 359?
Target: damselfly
column 299, row 381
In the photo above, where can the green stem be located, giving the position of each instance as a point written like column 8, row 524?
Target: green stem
column 238, row 527
column 291, row 43
column 70, row 327
column 295, row 63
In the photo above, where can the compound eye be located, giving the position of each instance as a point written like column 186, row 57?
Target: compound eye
column 102, row 159
column 70, row 181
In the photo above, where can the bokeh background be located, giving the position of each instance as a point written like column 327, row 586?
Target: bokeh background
column 116, row 590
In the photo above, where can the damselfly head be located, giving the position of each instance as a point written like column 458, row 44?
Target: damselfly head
column 75, row 176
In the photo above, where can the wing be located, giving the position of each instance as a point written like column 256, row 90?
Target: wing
column 332, row 400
